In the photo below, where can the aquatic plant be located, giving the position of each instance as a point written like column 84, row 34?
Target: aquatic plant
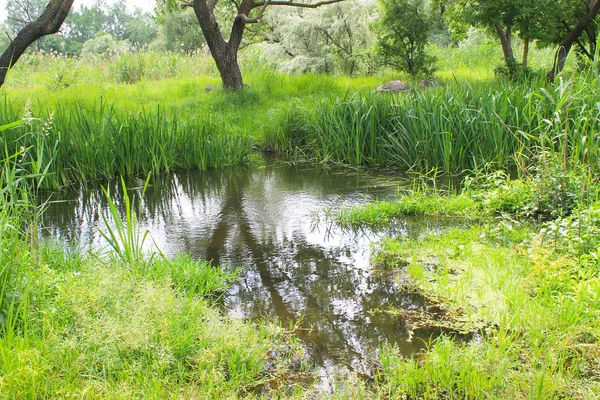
column 74, row 144
column 462, row 127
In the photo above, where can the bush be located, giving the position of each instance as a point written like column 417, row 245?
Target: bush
column 129, row 68
column 103, row 43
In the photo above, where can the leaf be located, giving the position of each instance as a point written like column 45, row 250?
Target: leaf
column 12, row 125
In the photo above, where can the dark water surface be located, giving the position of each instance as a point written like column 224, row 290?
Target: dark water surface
column 262, row 221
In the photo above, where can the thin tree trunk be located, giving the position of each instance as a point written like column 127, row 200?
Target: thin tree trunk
column 505, row 37
column 48, row 23
column 525, row 64
column 565, row 47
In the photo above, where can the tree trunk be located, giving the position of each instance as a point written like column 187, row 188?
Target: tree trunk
column 224, row 53
column 506, row 39
column 525, row 54
column 565, row 47
column 229, row 69
column 49, row 22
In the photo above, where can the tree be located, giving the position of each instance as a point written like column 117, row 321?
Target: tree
column 47, row 23
column 22, row 12
column 92, row 21
column 584, row 21
column 561, row 23
column 179, row 31
column 225, row 52
column 331, row 39
column 403, row 33
column 502, row 17
column 140, row 29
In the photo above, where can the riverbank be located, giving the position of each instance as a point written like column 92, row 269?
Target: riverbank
column 82, row 133
column 524, row 285
column 123, row 323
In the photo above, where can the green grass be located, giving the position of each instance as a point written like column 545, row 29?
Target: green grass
column 538, row 324
column 94, row 329
column 103, row 126
column 413, row 204
column 120, row 325
column 529, row 291
column 74, row 144
column 461, row 127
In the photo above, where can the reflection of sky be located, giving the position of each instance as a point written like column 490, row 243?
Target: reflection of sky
column 291, row 268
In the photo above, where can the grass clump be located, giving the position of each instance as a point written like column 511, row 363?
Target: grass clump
column 98, row 330
column 410, row 204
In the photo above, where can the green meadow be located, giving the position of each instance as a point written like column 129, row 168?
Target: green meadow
column 522, row 280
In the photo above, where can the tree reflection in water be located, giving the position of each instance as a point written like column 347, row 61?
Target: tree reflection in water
column 258, row 220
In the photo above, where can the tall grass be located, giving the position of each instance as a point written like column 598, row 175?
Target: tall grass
column 460, row 127
column 76, row 144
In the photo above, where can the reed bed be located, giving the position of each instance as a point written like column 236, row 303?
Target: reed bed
column 456, row 128
column 74, row 144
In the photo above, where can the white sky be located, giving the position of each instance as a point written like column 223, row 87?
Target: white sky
column 146, row 5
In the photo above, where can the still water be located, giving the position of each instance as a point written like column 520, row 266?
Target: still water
column 263, row 222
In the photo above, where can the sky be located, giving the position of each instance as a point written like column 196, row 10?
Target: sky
column 146, row 5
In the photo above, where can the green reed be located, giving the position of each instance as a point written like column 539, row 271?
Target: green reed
column 76, row 144
column 456, row 128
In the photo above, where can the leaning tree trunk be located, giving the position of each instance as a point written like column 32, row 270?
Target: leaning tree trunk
column 49, row 22
column 224, row 53
column 505, row 36
column 565, row 47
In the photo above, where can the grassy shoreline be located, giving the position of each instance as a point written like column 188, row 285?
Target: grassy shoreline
column 107, row 326
column 530, row 292
column 84, row 132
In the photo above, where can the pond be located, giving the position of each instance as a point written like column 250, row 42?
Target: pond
column 264, row 222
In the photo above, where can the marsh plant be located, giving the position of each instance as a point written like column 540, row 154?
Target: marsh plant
column 123, row 233
column 464, row 127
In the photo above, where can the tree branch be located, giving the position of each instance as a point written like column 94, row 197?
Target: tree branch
column 256, row 19
column 295, row 4
column 46, row 24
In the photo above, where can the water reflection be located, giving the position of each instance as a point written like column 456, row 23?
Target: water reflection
column 259, row 220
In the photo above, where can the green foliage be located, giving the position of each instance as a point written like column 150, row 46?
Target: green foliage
column 103, row 43
column 459, row 128
column 403, row 31
column 180, row 31
column 194, row 278
column 21, row 12
column 129, row 68
column 577, row 235
column 76, row 144
column 87, row 22
column 96, row 329
column 325, row 40
column 413, row 203
column 125, row 238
